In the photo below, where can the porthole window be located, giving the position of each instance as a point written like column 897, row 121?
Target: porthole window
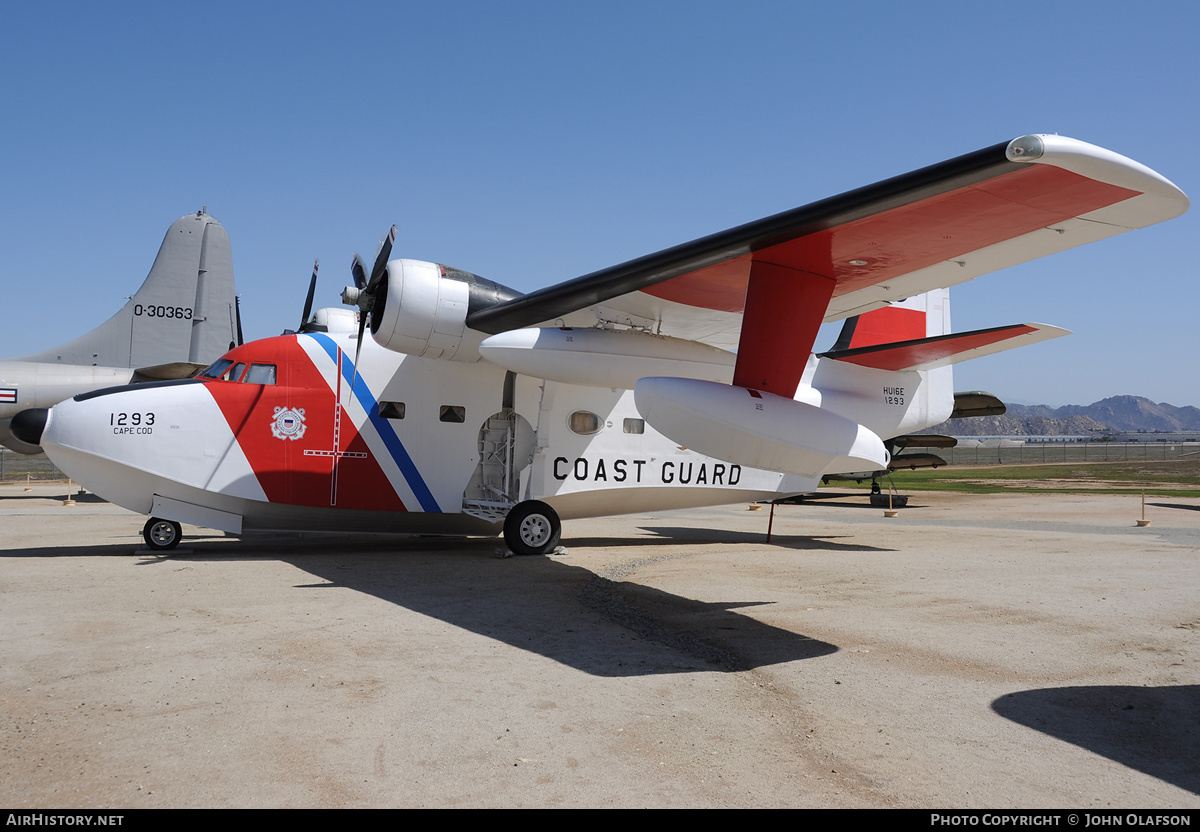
column 391, row 410
column 635, row 426
column 453, row 413
column 584, row 422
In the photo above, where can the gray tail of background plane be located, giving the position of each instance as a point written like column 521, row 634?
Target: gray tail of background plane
column 184, row 315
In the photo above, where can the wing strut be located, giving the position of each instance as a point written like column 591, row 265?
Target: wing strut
column 784, row 310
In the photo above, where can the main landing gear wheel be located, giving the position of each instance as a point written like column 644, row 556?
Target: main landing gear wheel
column 532, row 528
column 161, row 535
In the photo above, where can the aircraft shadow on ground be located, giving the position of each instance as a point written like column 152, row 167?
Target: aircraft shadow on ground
column 860, row 500
column 684, row 534
column 82, row 497
column 1155, row 730
column 596, row 624
column 604, row 626
column 1175, row 505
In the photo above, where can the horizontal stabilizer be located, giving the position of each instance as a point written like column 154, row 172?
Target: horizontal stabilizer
column 167, row 372
column 922, row 440
column 915, row 461
column 941, row 350
column 977, row 403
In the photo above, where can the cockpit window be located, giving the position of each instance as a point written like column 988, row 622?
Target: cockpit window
column 261, row 374
column 216, row 369
column 226, row 370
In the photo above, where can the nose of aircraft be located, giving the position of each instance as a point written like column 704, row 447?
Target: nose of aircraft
column 29, row 424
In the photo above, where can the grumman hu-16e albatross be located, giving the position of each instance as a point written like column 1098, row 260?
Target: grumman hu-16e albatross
column 684, row 378
column 181, row 319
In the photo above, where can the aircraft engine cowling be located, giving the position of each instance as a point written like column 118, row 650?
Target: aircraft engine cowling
column 423, row 313
column 421, row 309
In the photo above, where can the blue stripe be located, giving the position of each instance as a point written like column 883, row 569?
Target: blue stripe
column 382, row 426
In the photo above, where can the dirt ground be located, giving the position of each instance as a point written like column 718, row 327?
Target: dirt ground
column 977, row 651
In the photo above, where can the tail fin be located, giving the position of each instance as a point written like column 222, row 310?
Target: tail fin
column 890, row 401
column 922, row 316
column 184, row 313
column 914, row 334
column 891, row 368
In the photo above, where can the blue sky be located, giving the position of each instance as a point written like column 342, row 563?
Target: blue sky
column 535, row 142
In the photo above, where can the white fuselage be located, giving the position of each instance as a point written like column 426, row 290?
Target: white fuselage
column 422, row 445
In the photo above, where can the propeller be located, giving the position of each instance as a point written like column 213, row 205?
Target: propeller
column 308, row 302
column 358, row 272
column 362, row 293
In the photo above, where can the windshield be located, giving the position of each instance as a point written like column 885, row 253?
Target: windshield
column 216, row 369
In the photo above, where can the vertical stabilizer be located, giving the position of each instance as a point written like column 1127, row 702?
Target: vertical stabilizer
column 921, row 316
column 890, row 402
column 185, row 311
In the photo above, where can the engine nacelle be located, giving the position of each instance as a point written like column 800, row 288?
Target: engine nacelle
column 421, row 309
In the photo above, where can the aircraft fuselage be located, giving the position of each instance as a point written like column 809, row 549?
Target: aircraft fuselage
column 420, row 445
column 26, row 384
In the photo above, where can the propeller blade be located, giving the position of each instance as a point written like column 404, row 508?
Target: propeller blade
column 366, row 292
column 312, row 288
column 362, row 328
column 381, row 260
column 359, row 273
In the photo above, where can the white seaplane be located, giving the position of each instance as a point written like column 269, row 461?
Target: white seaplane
column 683, row 378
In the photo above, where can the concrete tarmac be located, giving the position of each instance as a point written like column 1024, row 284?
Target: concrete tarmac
column 977, row 651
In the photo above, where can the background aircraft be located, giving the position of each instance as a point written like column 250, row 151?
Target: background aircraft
column 474, row 407
column 184, row 315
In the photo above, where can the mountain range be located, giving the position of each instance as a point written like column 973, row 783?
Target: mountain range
column 1116, row 414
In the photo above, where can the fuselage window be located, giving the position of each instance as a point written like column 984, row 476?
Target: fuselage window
column 261, row 374
column 453, row 413
column 235, row 373
column 635, row 426
column 584, row 422
column 391, row 410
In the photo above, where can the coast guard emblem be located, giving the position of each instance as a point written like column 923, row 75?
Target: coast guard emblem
column 289, row 423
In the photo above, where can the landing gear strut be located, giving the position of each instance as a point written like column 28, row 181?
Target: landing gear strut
column 882, row 500
column 532, row 528
column 161, row 535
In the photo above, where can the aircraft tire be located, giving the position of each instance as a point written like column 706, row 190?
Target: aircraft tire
column 161, row 535
column 532, row 528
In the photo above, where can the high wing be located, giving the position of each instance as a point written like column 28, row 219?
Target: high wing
column 765, row 288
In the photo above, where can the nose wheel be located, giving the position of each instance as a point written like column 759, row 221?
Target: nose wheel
column 532, row 528
column 161, row 535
